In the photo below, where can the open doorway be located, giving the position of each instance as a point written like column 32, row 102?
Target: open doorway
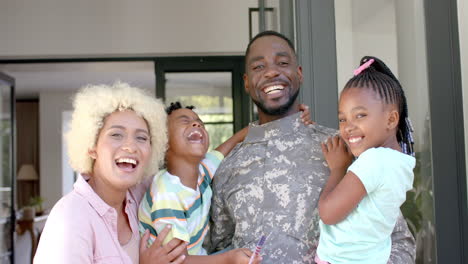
column 45, row 88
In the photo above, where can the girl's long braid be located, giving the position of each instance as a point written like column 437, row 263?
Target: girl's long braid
column 381, row 79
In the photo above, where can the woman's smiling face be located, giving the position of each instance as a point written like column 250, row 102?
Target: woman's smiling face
column 123, row 150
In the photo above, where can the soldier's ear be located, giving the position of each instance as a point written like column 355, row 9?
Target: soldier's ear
column 246, row 82
column 299, row 73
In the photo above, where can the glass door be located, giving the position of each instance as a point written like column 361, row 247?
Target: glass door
column 212, row 84
column 395, row 32
column 211, row 94
column 7, row 171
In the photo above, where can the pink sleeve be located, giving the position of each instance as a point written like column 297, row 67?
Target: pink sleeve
column 65, row 239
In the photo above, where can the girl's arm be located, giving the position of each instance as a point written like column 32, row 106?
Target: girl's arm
column 343, row 191
column 238, row 137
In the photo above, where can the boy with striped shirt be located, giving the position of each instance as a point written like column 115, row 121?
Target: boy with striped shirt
column 180, row 195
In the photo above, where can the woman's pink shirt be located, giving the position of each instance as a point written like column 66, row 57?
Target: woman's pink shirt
column 82, row 228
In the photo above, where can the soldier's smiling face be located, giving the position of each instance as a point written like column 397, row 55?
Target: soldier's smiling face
column 272, row 77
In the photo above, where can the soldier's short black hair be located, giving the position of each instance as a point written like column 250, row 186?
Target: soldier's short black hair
column 270, row 33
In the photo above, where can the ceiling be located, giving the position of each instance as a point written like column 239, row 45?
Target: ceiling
column 35, row 78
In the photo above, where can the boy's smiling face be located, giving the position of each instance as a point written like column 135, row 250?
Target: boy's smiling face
column 187, row 134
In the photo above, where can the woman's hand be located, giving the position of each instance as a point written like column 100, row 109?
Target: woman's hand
column 172, row 252
column 336, row 154
column 242, row 256
column 305, row 115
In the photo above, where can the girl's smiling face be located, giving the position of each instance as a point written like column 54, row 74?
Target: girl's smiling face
column 122, row 151
column 366, row 121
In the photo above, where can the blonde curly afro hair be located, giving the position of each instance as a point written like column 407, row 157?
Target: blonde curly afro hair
column 93, row 103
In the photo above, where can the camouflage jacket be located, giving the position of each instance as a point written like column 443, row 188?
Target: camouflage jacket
column 270, row 185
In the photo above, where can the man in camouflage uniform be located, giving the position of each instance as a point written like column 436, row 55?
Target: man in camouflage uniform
column 270, row 183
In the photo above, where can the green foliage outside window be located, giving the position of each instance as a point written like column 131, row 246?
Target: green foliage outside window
column 418, row 209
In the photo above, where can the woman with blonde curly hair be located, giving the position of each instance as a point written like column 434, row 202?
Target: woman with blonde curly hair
column 116, row 142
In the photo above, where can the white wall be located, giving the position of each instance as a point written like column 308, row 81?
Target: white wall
column 463, row 31
column 344, row 42
column 120, row 27
column 364, row 27
column 394, row 32
column 412, row 66
column 374, row 29
column 68, row 178
column 51, row 106
column 60, row 28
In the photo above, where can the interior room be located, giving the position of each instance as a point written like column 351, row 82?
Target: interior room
column 192, row 51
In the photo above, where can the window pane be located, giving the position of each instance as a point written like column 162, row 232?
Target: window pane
column 5, row 153
column 209, row 108
column 211, row 94
column 395, row 32
column 219, row 133
column 5, row 173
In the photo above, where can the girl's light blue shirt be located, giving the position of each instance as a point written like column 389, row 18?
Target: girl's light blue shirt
column 364, row 235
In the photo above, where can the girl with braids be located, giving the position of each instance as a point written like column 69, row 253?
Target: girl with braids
column 361, row 201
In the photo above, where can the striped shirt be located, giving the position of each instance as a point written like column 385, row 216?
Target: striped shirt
column 168, row 201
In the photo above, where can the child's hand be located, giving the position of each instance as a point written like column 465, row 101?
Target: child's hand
column 243, row 133
column 229, row 144
column 305, row 115
column 172, row 252
column 336, row 153
column 242, row 256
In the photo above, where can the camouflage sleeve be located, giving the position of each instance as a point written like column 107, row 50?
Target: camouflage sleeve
column 221, row 225
column 403, row 244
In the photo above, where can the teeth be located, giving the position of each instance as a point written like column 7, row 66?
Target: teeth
column 274, row 88
column 195, row 132
column 355, row 139
column 274, row 91
column 127, row 160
